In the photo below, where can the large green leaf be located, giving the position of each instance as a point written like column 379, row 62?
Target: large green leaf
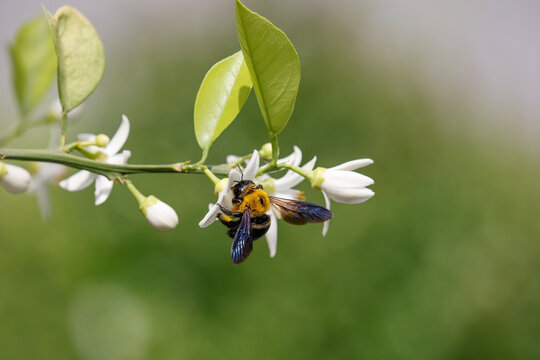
column 34, row 63
column 81, row 59
column 273, row 64
column 223, row 92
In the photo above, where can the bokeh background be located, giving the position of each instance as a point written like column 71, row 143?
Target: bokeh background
column 443, row 263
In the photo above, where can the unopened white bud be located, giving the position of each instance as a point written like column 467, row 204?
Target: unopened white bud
column 14, row 179
column 160, row 215
column 266, row 151
column 102, row 140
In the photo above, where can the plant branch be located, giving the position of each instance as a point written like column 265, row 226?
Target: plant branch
column 109, row 170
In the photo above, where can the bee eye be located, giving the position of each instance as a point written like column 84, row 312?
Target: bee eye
column 261, row 187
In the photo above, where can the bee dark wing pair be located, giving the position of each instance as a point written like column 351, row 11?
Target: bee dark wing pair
column 292, row 211
column 243, row 240
column 299, row 212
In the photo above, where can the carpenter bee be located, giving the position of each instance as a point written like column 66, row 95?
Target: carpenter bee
column 247, row 220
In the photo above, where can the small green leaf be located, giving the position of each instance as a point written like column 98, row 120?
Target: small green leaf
column 34, row 63
column 273, row 65
column 223, row 92
column 81, row 60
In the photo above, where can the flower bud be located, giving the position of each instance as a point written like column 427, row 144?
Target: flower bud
column 343, row 186
column 102, row 140
column 221, row 185
column 160, row 215
column 14, row 179
column 266, row 151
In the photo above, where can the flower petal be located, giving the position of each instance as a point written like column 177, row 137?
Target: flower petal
column 79, row 181
column 119, row 138
column 353, row 164
column 49, row 172
column 234, row 177
column 327, row 222
column 345, row 179
column 271, row 234
column 103, row 189
column 292, row 194
column 350, row 196
column 120, row 159
column 291, row 179
column 295, row 158
column 210, row 216
column 214, row 210
column 231, row 159
column 252, row 166
column 86, row 137
column 42, row 194
column 226, row 199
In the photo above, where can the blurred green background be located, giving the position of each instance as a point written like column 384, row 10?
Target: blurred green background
column 441, row 264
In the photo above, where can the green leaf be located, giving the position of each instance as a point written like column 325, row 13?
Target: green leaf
column 223, row 92
column 273, row 65
column 81, row 59
column 34, row 64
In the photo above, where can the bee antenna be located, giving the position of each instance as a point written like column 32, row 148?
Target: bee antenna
column 241, row 172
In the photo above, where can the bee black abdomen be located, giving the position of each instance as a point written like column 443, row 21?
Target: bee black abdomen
column 259, row 226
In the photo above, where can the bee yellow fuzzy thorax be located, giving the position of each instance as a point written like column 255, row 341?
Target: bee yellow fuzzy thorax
column 257, row 201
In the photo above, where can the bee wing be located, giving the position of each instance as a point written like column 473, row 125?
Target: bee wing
column 299, row 212
column 243, row 241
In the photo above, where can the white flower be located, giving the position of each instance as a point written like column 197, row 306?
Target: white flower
column 283, row 188
column 111, row 155
column 225, row 196
column 340, row 183
column 47, row 173
column 160, row 215
column 13, row 178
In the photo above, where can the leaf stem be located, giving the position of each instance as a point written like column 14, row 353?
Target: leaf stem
column 275, row 151
column 272, row 165
column 204, row 156
column 64, row 127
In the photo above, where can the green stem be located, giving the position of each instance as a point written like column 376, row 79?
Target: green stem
column 305, row 173
column 272, row 165
column 275, row 151
column 64, row 127
column 109, row 170
column 203, row 158
column 136, row 193
column 211, row 176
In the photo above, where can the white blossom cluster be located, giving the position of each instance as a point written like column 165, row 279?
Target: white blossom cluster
column 340, row 183
column 17, row 180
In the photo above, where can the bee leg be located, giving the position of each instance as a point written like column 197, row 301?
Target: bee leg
column 229, row 212
column 228, row 221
